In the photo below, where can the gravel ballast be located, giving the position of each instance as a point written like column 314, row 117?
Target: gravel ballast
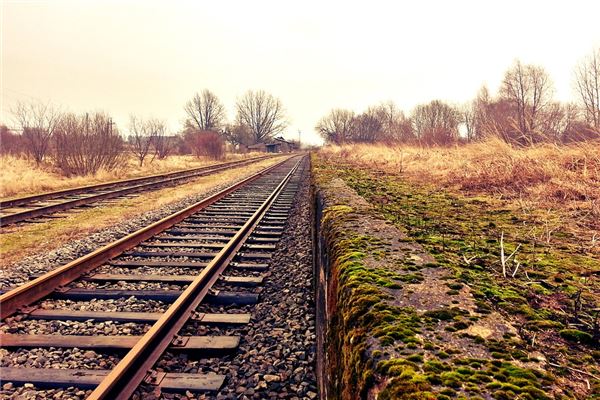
column 276, row 356
column 21, row 272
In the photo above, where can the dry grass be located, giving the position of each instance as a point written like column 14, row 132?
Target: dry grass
column 546, row 173
column 20, row 176
column 559, row 184
column 17, row 242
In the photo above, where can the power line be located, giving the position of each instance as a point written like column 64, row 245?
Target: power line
column 20, row 93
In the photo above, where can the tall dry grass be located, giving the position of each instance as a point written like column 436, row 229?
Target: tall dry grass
column 556, row 173
column 536, row 179
column 20, row 176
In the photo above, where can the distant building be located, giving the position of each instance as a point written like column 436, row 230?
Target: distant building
column 275, row 145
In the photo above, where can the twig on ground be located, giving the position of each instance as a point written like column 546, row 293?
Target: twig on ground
column 574, row 370
column 503, row 258
column 468, row 260
column 516, row 268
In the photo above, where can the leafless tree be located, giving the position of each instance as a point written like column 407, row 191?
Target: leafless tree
column 205, row 111
column 262, row 113
column 480, row 118
column 587, row 83
column 571, row 120
column 493, row 117
column 163, row 143
column 395, row 127
column 10, row 142
column 237, row 135
column 530, row 89
column 468, row 114
column 84, row 144
column 142, row 136
column 164, row 146
column 436, row 123
column 38, row 122
column 367, row 127
column 337, row 127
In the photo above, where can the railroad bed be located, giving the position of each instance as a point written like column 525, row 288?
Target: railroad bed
column 175, row 290
column 46, row 204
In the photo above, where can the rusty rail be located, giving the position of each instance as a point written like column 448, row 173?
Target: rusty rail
column 144, row 183
column 40, row 287
column 123, row 380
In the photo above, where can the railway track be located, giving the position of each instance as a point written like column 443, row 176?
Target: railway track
column 26, row 208
column 149, row 287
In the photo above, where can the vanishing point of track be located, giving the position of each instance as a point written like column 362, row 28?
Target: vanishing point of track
column 25, row 208
column 234, row 231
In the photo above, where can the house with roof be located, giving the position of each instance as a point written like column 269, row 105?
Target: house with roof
column 275, row 145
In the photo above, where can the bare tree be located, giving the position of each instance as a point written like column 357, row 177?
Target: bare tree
column 367, row 127
column 530, row 89
column 142, row 137
column 10, row 142
column 395, row 127
column 262, row 113
column 484, row 122
column 85, row 144
column 38, row 122
column 338, row 126
column 237, row 135
column 468, row 114
column 587, row 83
column 163, row 143
column 205, row 111
column 436, row 123
column 571, row 121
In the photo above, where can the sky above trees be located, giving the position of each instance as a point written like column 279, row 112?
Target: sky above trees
column 149, row 57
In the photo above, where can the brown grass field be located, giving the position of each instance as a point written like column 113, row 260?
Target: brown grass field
column 547, row 174
column 544, row 177
column 20, row 176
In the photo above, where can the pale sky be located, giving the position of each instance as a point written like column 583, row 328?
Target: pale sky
column 149, row 57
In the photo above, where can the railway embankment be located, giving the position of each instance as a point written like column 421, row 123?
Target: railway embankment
column 399, row 320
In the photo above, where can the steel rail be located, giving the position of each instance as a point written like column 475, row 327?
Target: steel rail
column 121, row 182
column 126, row 377
column 40, row 211
column 42, row 286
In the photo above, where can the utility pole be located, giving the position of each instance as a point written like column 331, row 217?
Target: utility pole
column 299, row 142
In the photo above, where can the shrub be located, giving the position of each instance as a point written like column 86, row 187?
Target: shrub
column 10, row 142
column 206, row 143
column 85, row 144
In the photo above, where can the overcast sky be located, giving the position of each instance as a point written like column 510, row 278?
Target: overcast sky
column 149, row 57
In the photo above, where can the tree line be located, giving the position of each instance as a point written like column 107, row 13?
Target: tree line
column 523, row 112
column 80, row 144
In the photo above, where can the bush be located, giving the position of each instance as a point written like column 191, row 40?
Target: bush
column 206, row 143
column 10, row 142
column 85, row 144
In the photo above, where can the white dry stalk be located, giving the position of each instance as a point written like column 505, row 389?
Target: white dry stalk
column 468, row 260
column 504, row 259
column 516, row 268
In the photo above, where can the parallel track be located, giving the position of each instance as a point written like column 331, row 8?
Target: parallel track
column 234, row 231
column 25, row 208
